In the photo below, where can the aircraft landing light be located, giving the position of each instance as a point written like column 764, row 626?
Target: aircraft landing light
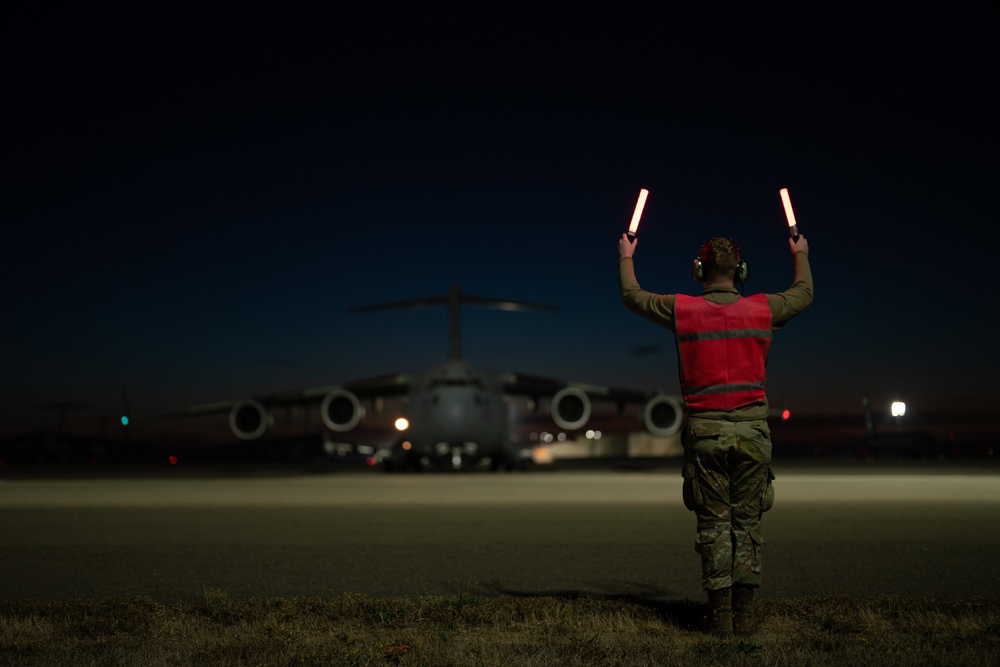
column 402, row 424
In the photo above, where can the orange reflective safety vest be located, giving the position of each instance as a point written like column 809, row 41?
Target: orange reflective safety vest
column 722, row 350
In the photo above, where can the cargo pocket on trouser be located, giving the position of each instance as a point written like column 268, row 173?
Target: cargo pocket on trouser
column 691, row 490
column 716, row 557
column 747, row 569
column 767, row 496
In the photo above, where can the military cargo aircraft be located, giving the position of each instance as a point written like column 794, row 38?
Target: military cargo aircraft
column 453, row 415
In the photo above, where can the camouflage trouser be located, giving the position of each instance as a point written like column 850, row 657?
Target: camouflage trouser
column 727, row 468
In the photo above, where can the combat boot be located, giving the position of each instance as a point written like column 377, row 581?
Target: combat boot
column 742, row 609
column 720, row 613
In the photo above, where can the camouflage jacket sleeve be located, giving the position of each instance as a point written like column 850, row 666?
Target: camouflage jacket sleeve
column 786, row 305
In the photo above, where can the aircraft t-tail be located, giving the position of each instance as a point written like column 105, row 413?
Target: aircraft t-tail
column 455, row 414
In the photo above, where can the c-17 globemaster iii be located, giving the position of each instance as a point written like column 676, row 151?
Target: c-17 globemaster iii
column 454, row 414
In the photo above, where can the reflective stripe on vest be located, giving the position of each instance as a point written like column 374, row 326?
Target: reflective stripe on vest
column 722, row 350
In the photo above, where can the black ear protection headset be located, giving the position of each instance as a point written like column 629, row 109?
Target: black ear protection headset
column 698, row 266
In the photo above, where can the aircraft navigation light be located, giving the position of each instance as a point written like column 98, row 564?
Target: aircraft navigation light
column 634, row 225
column 402, row 424
column 785, row 414
column 898, row 408
column 173, row 459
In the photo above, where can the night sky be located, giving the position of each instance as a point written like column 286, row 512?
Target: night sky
column 192, row 202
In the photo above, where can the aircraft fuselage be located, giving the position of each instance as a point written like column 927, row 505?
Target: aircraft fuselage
column 457, row 415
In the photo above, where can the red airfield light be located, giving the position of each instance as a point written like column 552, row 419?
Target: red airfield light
column 172, row 459
column 639, row 205
column 789, row 214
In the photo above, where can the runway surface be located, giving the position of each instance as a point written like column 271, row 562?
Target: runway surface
column 854, row 533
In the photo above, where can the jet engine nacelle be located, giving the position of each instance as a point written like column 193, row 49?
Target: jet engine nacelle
column 570, row 408
column 248, row 420
column 662, row 415
column 341, row 410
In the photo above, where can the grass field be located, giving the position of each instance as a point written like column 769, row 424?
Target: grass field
column 470, row 630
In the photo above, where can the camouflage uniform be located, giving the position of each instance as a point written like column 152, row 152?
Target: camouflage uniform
column 727, row 469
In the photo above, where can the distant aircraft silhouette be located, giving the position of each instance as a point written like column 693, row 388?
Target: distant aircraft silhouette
column 456, row 414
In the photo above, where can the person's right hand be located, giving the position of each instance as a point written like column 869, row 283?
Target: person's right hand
column 798, row 246
column 626, row 248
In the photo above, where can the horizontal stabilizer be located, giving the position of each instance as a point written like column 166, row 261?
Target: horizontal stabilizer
column 454, row 299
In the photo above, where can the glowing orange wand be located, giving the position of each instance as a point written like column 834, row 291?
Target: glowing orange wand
column 634, row 225
column 790, row 214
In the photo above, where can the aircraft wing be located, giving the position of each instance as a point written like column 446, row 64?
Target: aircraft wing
column 340, row 405
column 535, row 385
column 570, row 403
column 381, row 386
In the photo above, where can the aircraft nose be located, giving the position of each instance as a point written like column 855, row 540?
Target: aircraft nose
column 457, row 412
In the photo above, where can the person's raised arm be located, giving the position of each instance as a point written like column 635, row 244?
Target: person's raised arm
column 657, row 308
column 786, row 305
